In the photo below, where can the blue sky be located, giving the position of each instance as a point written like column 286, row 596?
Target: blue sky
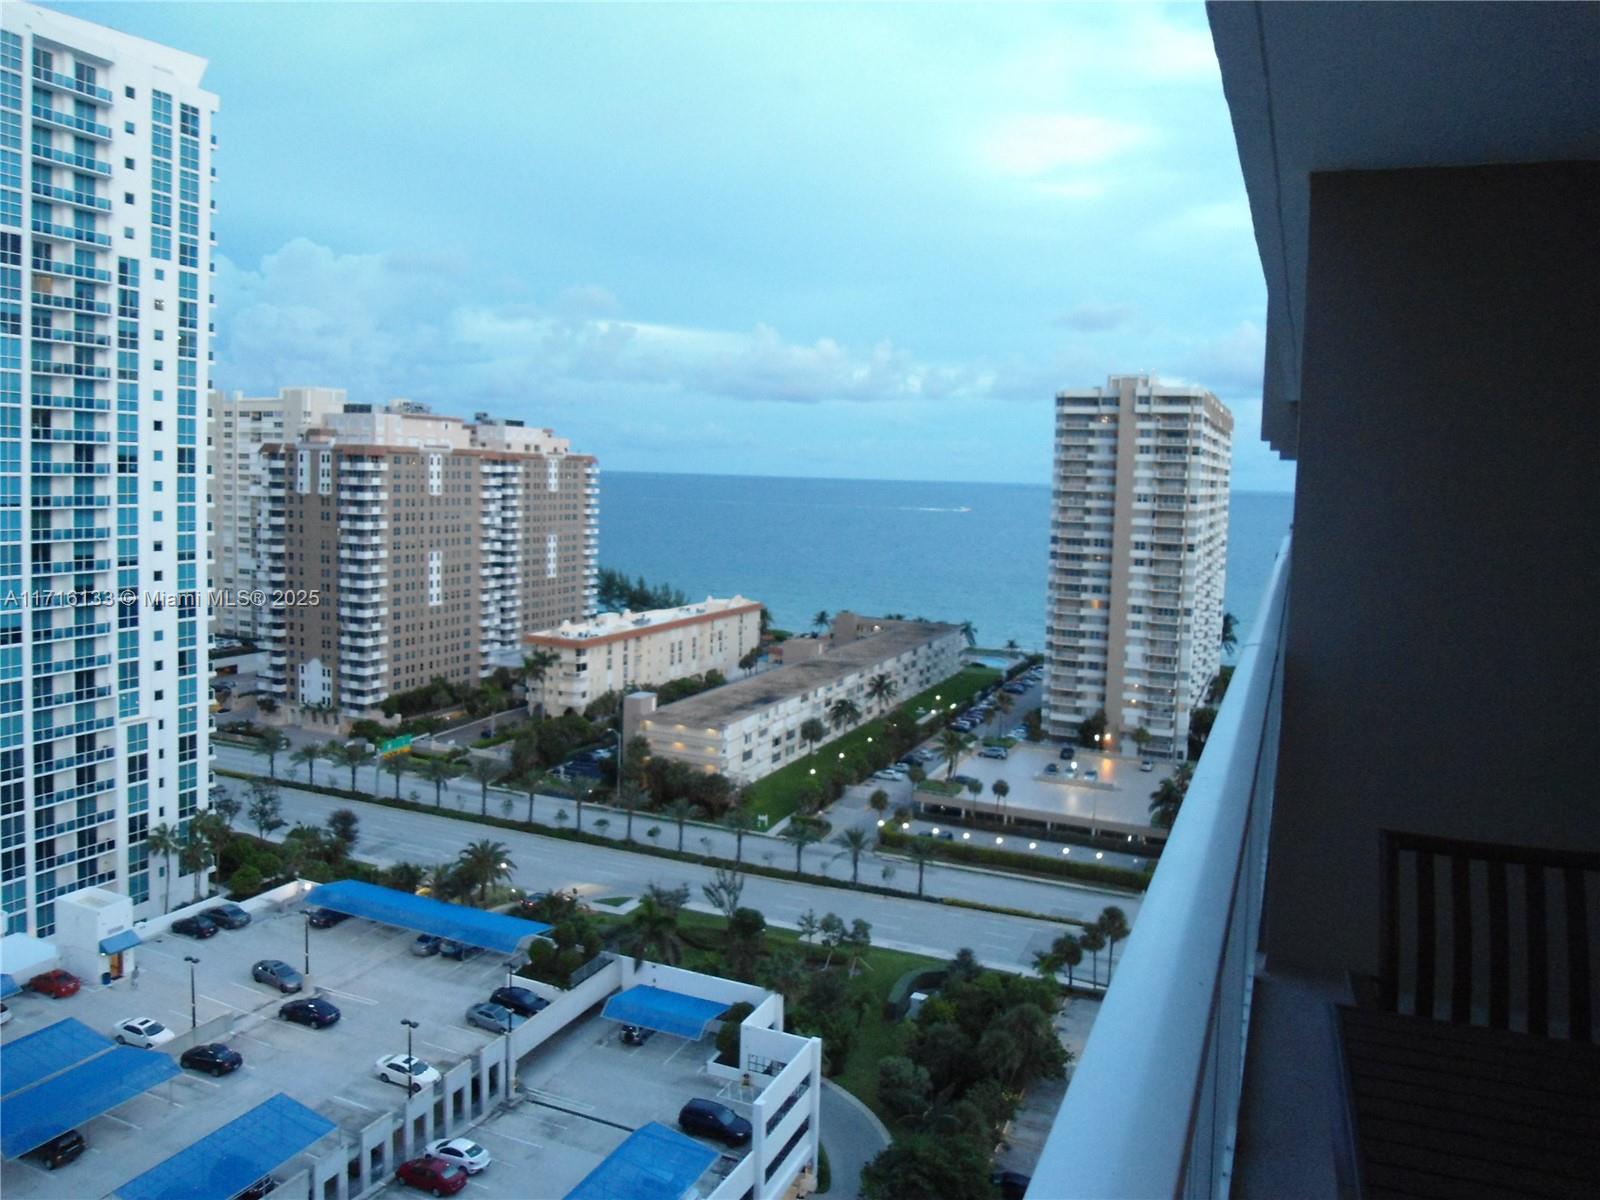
column 858, row 241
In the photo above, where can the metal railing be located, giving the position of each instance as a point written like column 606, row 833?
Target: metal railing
column 1152, row 1108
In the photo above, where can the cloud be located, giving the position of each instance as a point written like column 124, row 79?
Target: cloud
column 1037, row 145
column 1091, row 317
column 1229, row 364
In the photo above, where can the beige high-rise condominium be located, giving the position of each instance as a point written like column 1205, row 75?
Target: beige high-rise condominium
column 238, row 426
column 1138, row 548
column 402, row 546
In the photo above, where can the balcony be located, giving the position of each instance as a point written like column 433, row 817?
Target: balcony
column 77, row 199
column 77, row 337
column 70, row 85
column 70, row 370
column 78, row 162
column 50, row 266
column 72, row 303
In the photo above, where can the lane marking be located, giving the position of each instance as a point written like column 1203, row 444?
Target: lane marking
column 486, row 1134
column 353, row 1103
column 349, row 996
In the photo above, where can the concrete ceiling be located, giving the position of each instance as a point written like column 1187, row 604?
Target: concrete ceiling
column 1364, row 86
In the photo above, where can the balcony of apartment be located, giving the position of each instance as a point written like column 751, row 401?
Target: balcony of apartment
column 48, row 299
column 41, row 433
column 70, row 85
column 85, row 235
column 77, row 337
column 66, row 158
column 71, row 370
column 87, row 201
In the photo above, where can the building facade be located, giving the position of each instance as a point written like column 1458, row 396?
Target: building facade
column 749, row 729
column 1138, row 551
column 399, row 546
column 238, row 426
column 105, row 277
column 628, row 651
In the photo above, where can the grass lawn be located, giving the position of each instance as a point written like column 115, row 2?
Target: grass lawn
column 779, row 794
column 880, row 968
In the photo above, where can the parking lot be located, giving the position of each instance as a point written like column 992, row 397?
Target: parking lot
column 584, row 1092
column 366, row 970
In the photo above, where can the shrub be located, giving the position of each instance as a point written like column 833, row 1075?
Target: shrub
column 245, row 882
column 728, row 1035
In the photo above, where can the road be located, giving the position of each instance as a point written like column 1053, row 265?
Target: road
column 542, row 863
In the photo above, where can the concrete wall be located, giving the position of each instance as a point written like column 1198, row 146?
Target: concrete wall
column 1442, row 650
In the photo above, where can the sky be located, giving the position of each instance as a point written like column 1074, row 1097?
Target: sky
column 858, row 241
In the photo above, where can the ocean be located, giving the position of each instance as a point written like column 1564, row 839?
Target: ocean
column 950, row 551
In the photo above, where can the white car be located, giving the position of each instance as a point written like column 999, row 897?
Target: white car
column 464, row 1152
column 143, row 1032
column 889, row 775
column 405, row 1072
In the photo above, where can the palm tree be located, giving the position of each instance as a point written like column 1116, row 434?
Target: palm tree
column 273, row 743
column 855, row 843
column 970, row 632
column 820, row 621
column 739, row 820
column 1001, row 790
column 485, row 862
column 881, row 689
column 535, row 667
column 1230, row 633
column 353, row 755
column 921, row 851
column 1011, row 644
column 843, row 713
column 396, row 765
column 1113, row 923
column 652, row 932
column 878, row 801
column 1003, row 705
column 582, row 785
column 1094, row 941
column 531, row 785
column 801, row 834
column 438, row 771
column 1068, row 952
column 679, row 810
column 307, row 756
column 485, row 771
column 952, row 744
column 812, row 731
column 194, row 856
column 163, row 842
column 1167, row 799
column 631, row 798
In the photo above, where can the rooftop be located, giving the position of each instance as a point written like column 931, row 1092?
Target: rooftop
column 721, row 705
column 611, row 625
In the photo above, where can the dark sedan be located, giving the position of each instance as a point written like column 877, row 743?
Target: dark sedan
column 325, row 918
column 195, row 927
column 314, row 1011
column 520, row 1000
column 229, row 916
column 213, row 1058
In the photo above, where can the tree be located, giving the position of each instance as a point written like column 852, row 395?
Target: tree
column 265, row 808
column 750, row 659
column 1066, row 951
column 800, row 834
column 843, row 713
column 194, row 856
column 225, row 804
column 1040, row 1054
column 652, row 931
column 353, row 755
column 630, row 799
column 812, row 731
column 952, row 745
column 1200, row 722
column 273, row 743
column 921, row 851
column 1218, row 687
column 1003, row 705
column 878, row 801
column 1230, row 633
column 808, row 925
column 1167, row 799
column 1011, row 643
column 1113, row 923
column 485, row 862
column 831, row 932
column 1092, row 729
column 396, row 765
column 1141, row 738
column 723, row 892
column 855, row 843
column 535, row 667
column 747, row 939
column 820, row 621
column 904, row 1087
column 975, row 787
column 857, row 941
column 307, row 757
column 1093, row 940
column 741, row 822
column 405, row 876
column 485, row 771
column 679, row 811
column 970, row 632
column 582, row 787
column 881, row 689
column 1001, row 790
column 922, row 1164
column 345, row 825
column 438, row 771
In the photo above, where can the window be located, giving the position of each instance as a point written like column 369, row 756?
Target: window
column 128, row 163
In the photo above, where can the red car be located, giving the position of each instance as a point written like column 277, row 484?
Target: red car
column 58, row 983
column 432, row 1175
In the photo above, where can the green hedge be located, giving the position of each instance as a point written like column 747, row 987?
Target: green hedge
column 1026, row 864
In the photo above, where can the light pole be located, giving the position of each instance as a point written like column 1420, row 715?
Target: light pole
column 193, row 962
column 308, row 945
column 410, row 1025
column 511, row 971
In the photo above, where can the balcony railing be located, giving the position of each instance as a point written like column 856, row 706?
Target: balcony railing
column 1153, row 1105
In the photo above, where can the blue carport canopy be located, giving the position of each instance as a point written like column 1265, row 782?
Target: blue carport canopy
column 46, row 1051
column 656, row 1008
column 469, row 926
column 32, row 1116
column 230, row 1159
column 118, row 942
column 655, row 1163
column 8, row 986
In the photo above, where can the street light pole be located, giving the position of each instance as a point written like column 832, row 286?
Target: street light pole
column 307, row 932
column 410, row 1025
column 193, row 962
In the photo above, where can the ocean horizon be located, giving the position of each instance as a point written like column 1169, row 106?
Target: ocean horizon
column 956, row 552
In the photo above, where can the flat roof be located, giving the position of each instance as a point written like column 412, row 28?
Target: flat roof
column 654, row 1163
column 229, row 1159
column 665, row 1011
column 723, row 704
column 609, row 627
column 469, row 926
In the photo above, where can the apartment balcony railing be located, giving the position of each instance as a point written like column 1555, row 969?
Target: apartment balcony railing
column 78, row 162
column 72, row 196
column 73, row 304
column 72, row 84
column 72, row 369
column 71, row 233
column 79, row 337
column 1153, row 1106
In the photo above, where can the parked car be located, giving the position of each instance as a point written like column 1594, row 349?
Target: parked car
column 462, row 1152
column 459, row 951
column 523, row 1001
column 1091, row 774
column 145, row 1032
column 1147, row 765
column 432, row 1175
column 965, row 780
column 58, row 984
column 197, row 926
column 278, row 973
column 313, row 1011
column 61, row 1149
column 889, row 775
column 212, row 1057
column 1068, row 752
column 410, row 1073
column 1017, row 732
column 1016, row 689
column 993, row 752
column 426, row 944
column 636, row 1035
column 496, row 1018
column 325, row 918
column 710, row 1119
column 1052, row 768
column 258, row 1189
column 229, row 916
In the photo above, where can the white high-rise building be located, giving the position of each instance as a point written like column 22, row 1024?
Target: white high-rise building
column 105, row 292
column 238, row 427
column 1138, row 551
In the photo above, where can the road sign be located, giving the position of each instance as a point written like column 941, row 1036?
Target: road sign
column 395, row 745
